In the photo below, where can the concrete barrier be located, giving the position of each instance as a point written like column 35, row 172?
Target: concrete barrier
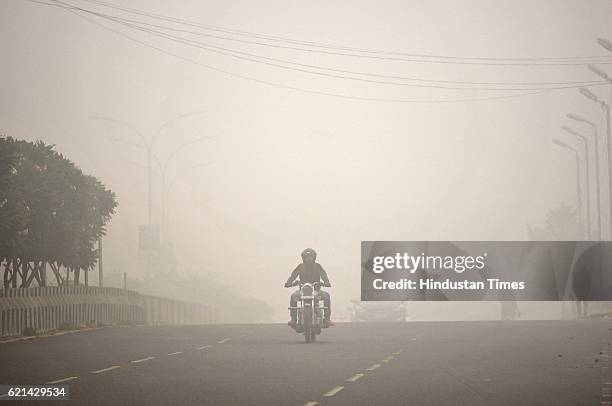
column 49, row 308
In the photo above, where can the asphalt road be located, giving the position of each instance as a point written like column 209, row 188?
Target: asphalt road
column 417, row 363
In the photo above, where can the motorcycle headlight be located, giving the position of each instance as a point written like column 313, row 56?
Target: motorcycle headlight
column 307, row 290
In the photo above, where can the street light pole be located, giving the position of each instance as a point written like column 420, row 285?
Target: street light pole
column 607, row 45
column 164, row 169
column 168, row 189
column 578, row 189
column 100, row 268
column 595, row 135
column 149, row 147
column 159, row 131
column 590, row 95
column 588, row 176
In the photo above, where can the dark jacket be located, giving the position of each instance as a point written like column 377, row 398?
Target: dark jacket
column 309, row 274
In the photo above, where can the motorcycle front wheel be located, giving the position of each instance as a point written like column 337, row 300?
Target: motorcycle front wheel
column 308, row 330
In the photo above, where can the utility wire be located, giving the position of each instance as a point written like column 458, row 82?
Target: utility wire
column 236, row 54
column 69, row 9
column 250, row 58
column 415, row 79
column 533, row 61
column 277, row 63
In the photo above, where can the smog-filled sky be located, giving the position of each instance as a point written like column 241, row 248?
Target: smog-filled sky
column 301, row 159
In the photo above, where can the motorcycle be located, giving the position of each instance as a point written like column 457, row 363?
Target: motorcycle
column 310, row 311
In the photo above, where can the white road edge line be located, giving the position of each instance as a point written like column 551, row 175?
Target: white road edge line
column 355, row 377
column 70, row 378
column 224, row 340
column 175, row 353
column 373, row 367
column 311, row 403
column 138, row 361
column 203, row 347
column 99, row 371
column 333, row 391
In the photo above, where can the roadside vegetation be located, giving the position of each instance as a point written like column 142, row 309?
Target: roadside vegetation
column 51, row 213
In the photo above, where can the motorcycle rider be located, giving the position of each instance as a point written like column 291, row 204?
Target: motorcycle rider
column 309, row 271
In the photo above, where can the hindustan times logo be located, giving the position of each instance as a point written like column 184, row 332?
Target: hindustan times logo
column 413, row 263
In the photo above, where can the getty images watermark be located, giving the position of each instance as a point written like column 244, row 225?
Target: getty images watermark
column 486, row 270
column 404, row 262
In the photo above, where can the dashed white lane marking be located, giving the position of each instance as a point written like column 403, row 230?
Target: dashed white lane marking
column 311, row 403
column 138, row 361
column 70, row 378
column 224, row 340
column 203, row 347
column 99, row 371
column 175, row 353
column 373, row 367
column 241, row 336
column 387, row 359
column 354, row 377
column 333, row 391
column 396, row 353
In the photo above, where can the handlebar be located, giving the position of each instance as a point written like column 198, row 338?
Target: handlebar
column 296, row 283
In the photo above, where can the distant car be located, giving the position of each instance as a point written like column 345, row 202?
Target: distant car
column 378, row 311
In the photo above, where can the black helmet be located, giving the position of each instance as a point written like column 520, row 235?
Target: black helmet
column 309, row 252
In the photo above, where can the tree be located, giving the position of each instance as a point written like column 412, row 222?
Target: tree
column 50, row 212
column 561, row 225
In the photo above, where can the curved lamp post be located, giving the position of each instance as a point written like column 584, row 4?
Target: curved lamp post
column 578, row 189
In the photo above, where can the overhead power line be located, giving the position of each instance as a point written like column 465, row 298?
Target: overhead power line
column 326, row 71
column 374, row 53
column 395, row 77
column 78, row 12
column 278, row 63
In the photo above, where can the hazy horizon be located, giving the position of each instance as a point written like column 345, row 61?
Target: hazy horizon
column 289, row 169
